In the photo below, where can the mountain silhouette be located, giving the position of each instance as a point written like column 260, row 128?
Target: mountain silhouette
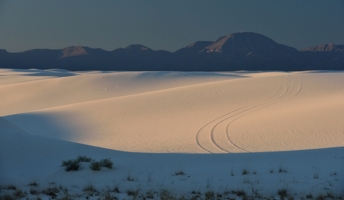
column 237, row 51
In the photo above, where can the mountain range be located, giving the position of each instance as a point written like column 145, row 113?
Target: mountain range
column 237, row 51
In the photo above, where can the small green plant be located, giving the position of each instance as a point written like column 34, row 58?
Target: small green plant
column 209, row 195
column 129, row 178
column 282, row 193
column 33, row 184
column 116, row 190
column 179, row 173
column 132, row 192
column 71, row 165
column 51, row 191
column 245, row 172
column 95, row 166
column 333, row 173
column 34, row 192
column 89, row 189
column 282, row 170
column 239, row 193
column 74, row 165
column 19, row 194
column 106, row 163
column 84, row 159
column 166, row 195
column 107, row 196
column 11, row 187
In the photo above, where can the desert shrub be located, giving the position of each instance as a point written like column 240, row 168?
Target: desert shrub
column 239, row 193
column 179, row 173
column 34, row 192
column 132, row 192
column 11, row 187
column 33, row 184
column 245, row 172
column 51, row 191
column 74, row 165
column 71, row 165
column 89, row 189
column 84, row 159
column 129, row 178
column 107, row 196
column 95, row 166
column 166, row 195
column 106, row 163
column 209, row 195
column 282, row 170
column 19, row 194
column 282, row 192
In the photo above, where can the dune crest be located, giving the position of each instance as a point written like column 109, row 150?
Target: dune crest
column 179, row 112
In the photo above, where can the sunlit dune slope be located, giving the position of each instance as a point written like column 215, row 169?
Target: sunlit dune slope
column 179, row 112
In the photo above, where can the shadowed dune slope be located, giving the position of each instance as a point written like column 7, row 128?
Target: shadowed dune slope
column 179, row 112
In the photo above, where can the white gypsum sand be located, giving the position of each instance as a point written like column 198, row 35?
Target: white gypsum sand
column 154, row 124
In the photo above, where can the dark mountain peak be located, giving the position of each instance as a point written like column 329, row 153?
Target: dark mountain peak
column 195, row 47
column 137, row 47
column 247, row 41
column 248, row 44
column 73, row 51
column 326, row 47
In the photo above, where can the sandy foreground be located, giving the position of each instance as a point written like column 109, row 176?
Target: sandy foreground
column 211, row 126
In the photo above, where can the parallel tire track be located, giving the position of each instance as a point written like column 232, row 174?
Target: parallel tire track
column 285, row 97
column 212, row 146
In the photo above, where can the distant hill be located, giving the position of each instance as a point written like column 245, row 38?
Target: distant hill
column 237, row 51
column 326, row 47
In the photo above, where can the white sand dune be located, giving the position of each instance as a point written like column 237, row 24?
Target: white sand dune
column 153, row 124
column 182, row 112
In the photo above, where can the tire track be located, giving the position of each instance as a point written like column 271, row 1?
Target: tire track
column 214, row 144
column 249, row 110
column 282, row 98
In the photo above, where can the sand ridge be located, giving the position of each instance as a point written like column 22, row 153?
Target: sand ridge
column 181, row 112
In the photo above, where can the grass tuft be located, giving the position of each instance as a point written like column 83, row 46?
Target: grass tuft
column 84, row 159
column 19, row 194
column 71, row 165
column 282, row 170
column 282, row 193
column 132, row 193
column 239, row 193
column 51, row 191
column 245, row 172
column 95, row 166
column 179, row 173
column 106, row 163
column 209, row 195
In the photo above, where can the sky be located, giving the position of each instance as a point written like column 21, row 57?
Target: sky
column 167, row 25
